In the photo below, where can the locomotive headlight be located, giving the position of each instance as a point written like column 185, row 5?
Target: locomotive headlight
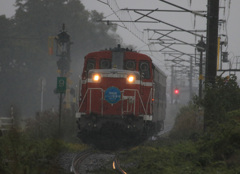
column 131, row 78
column 96, row 77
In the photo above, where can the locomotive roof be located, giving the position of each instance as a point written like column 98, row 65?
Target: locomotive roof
column 108, row 53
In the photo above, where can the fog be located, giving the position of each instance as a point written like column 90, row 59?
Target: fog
column 184, row 20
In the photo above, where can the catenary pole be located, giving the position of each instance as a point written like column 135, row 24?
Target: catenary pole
column 211, row 51
column 212, row 39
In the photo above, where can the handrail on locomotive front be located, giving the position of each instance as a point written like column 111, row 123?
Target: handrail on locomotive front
column 122, row 92
column 90, row 89
column 135, row 90
column 149, row 101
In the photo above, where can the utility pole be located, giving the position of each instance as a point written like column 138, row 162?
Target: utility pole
column 172, row 81
column 201, row 48
column 212, row 40
column 190, row 78
column 42, row 95
column 211, row 51
column 42, row 84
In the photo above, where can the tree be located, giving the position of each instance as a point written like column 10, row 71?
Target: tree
column 220, row 98
column 25, row 50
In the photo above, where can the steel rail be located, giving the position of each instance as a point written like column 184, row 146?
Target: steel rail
column 116, row 166
column 78, row 159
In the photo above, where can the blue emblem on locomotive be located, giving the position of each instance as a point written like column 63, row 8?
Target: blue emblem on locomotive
column 112, row 95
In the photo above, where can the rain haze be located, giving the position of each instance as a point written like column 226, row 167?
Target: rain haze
column 231, row 14
column 138, row 36
column 119, row 86
column 141, row 38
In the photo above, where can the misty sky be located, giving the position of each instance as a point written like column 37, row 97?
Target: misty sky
column 186, row 20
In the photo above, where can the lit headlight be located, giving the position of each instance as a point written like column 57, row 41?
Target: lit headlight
column 131, row 78
column 96, row 78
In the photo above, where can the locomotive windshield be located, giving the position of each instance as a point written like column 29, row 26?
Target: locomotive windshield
column 121, row 60
column 130, row 65
column 91, row 64
column 105, row 64
column 144, row 69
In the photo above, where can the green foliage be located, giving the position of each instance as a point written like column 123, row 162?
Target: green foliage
column 220, row 98
column 188, row 123
column 215, row 152
column 175, row 158
column 21, row 154
column 35, row 149
column 222, row 142
column 46, row 125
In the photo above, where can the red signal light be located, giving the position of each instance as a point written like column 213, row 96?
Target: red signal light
column 176, row 91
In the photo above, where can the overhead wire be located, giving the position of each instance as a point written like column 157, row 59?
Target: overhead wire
column 131, row 27
column 115, row 9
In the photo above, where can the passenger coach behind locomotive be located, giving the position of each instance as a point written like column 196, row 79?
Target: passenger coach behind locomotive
column 122, row 89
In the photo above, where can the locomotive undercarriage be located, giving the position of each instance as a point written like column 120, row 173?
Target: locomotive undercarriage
column 107, row 133
column 96, row 122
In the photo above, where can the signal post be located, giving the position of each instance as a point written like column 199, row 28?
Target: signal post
column 63, row 52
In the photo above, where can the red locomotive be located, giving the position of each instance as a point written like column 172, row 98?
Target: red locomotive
column 122, row 94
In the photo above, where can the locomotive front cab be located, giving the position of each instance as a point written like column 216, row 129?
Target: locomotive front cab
column 116, row 86
column 112, row 92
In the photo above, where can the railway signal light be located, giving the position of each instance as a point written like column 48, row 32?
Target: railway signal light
column 176, row 91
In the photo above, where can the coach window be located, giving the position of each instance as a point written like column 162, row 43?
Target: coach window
column 130, row 65
column 105, row 64
column 144, row 69
column 91, row 64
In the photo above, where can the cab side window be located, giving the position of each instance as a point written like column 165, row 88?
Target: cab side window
column 91, row 64
column 144, row 69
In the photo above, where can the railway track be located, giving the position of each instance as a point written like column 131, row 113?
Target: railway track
column 116, row 166
column 88, row 156
column 78, row 159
